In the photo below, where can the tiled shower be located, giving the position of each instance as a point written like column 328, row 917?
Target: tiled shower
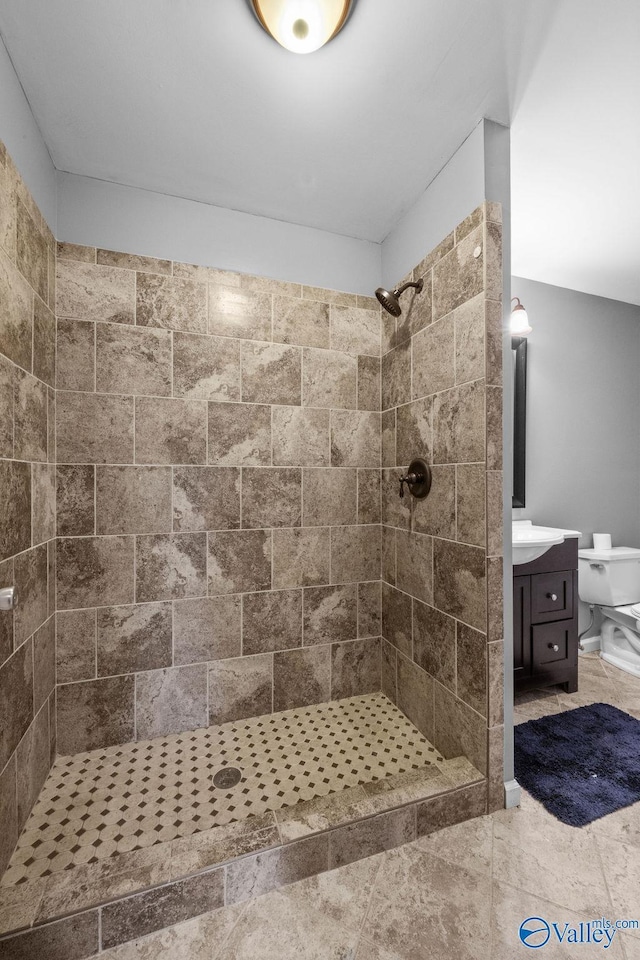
column 214, row 567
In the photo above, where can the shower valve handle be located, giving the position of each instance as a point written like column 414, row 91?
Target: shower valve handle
column 410, row 479
column 417, row 479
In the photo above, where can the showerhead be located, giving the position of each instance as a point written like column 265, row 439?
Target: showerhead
column 391, row 301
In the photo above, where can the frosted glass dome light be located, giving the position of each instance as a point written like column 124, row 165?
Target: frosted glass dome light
column 302, row 26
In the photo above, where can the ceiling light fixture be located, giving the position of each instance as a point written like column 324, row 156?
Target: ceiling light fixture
column 302, row 26
column 519, row 320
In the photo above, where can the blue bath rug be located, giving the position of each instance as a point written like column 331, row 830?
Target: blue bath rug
column 581, row 764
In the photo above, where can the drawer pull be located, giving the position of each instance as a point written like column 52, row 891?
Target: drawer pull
column 552, row 596
column 554, row 647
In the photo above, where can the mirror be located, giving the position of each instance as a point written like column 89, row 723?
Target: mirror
column 519, row 370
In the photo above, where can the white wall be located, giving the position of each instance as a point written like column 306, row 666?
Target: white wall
column 22, row 138
column 583, row 404
column 109, row 215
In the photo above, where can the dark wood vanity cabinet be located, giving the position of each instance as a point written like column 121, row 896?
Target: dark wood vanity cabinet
column 545, row 619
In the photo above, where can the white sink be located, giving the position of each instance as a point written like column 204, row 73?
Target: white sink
column 530, row 541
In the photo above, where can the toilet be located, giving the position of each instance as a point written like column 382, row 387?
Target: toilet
column 610, row 580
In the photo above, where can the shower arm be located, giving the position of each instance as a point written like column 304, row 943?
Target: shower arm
column 418, row 284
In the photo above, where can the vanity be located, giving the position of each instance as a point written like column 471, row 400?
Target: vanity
column 545, row 606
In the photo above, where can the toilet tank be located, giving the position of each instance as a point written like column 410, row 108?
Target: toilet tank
column 609, row 577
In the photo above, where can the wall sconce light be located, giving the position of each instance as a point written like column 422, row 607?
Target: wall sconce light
column 302, row 26
column 519, row 320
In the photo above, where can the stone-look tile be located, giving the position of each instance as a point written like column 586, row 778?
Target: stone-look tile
column 330, row 497
column 31, row 253
column 471, row 648
column 304, row 322
column 493, row 260
column 15, row 493
column 206, row 368
column 416, row 696
column 133, row 361
column 85, row 291
column 369, row 609
column 494, row 513
column 494, row 428
column 355, row 668
column 301, row 437
column 192, row 271
column 206, row 498
column 253, row 876
column 133, row 500
column 75, row 251
column 458, row 276
column 389, row 685
column 470, row 503
column 73, row 938
column 355, row 553
column 434, row 643
column 369, row 496
column 494, row 338
column 495, row 624
column 495, row 672
column 7, row 579
column 414, row 564
column 132, row 638
column 171, row 566
column 240, row 433
column 368, row 837
column 458, row 424
column 75, row 500
column 301, row 557
column 469, row 223
column 369, row 383
column 8, row 813
column 30, row 437
column 329, row 379
column 95, row 714
column 434, row 351
column 43, row 502
column 94, row 571
column 131, row 261
column 44, row 343
column 240, row 688
column 396, row 376
column 470, row 340
column 94, row 429
column 208, row 628
column 396, row 618
column 389, row 438
column 271, row 621
column 51, row 428
column 459, row 729
column 416, row 311
column 75, row 645
column 322, row 813
column 32, row 764
column 355, row 331
column 271, row 373
column 271, row 497
column 437, row 513
column 6, row 407
column 51, row 576
column 239, row 313
column 301, row 677
column 170, row 302
column 172, row 700
column 16, row 321
column 438, row 252
column 438, row 813
column 75, row 355
column 239, row 561
column 16, row 700
column 495, row 769
column 620, row 864
column 30, row 573
column 44, row 663
column 414, row 431
column 170, row 431
column 225, row 842
column 330, row 296
column 142, row 914
column 8, row 210
column 355, row 438
column 330, row 614
column 459, row 581
column 388, row 558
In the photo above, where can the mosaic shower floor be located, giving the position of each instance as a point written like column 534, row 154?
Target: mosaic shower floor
column 128, row 797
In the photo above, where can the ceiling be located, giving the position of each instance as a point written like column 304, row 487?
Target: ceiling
column 191, row 98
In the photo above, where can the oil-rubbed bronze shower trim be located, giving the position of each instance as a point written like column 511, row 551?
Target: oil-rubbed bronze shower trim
column 390, row 300
column 417, row 479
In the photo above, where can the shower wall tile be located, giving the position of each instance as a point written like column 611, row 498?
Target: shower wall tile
column 44, row 343
column 43, row 502
column 416, row 696
column 416, row 311
column 369, row 383
column 369, row 609
column 355, row 439
column 240, row 688
column 75, row 251
column 170, row 302
column 132, row 500
column 98, row 713
column 239, row 313
column 44, row 663
column 301, row 437
column 458, row 276
column 301, row 677
column 16, row 324
column 434, row 643
column 75, row 500
column 271, row 373
column 470, row 502
column 16, row 700
column 494, row 337
column 170, row 431
column 301, row 557
column 414, row 437
column 304, row 322
column 369, row 498
column 434, row 353
column 396, row 376
column 437, row 513
column 87, row 291
column 30, row 575
column 132, row 361
column 459, row 581
column 239, row 561
column 469, row 321
column 76, row 355
column 76, row 633
column 330, row 296
column 271, row 621
column 355, row 330
column 131, row 261
column 32, row 760
column 172, row 700
column 208, row 628
column 330, row 614
column 132, row 638
column 94, row 571
column 414, row 564
column 329, row 379
column 330, row 497
column 271, row 497
column 6, row 407
column 397, row 618
column 355, row 553
column 206, row 368
column 171, row 566
column 355, row 668
column 30, row 436
column 471, row 648
column 94, row 429
column 239, row 434
column 205, row 498
column 459, row 424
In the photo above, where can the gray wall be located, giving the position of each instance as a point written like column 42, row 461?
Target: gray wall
column 583, row 406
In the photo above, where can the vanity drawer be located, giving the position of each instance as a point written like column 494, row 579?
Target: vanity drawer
column 545, row 639
column 551, row 596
